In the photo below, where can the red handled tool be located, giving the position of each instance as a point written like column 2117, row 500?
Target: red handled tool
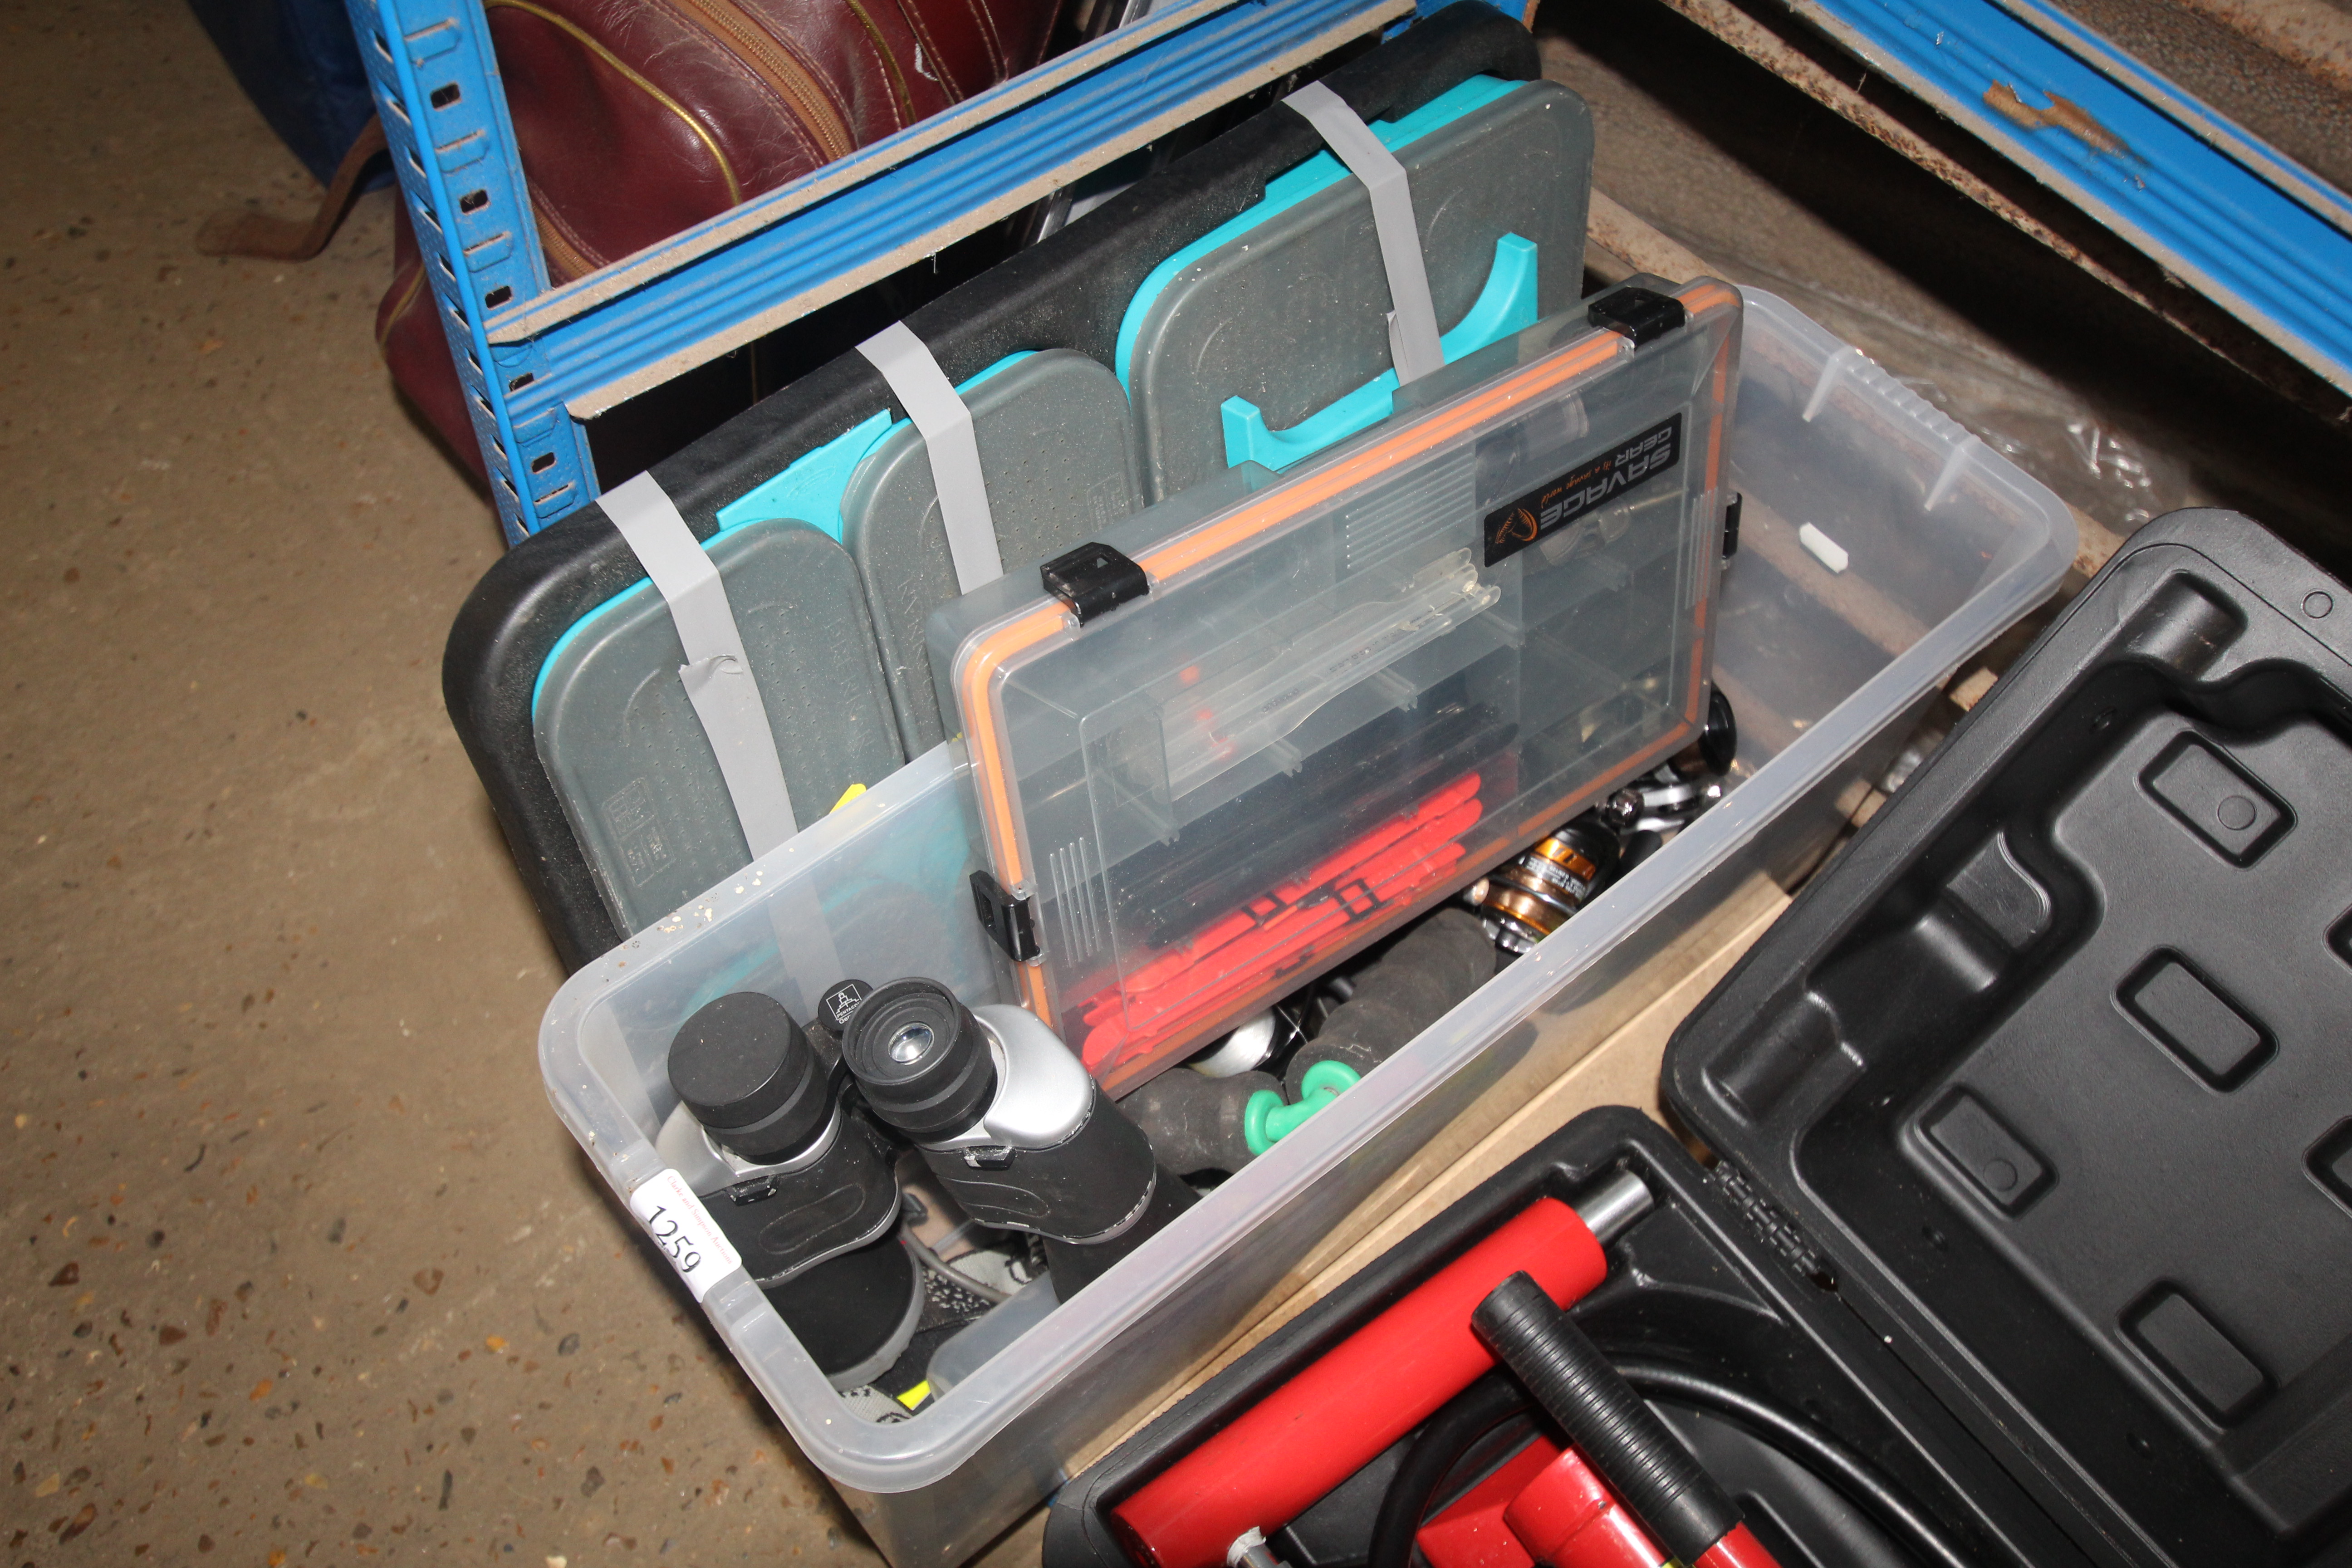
column 1566, row 1517
column 1542, row 1505
column 1471, row 1532
column 1388, row 1377
column 1676, row 1501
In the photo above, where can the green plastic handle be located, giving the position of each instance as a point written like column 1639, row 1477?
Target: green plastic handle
column 1266, row 1121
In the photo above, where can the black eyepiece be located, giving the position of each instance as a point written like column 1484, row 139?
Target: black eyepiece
column 921, row 1059
column 750, row 1077
column 1719, row 743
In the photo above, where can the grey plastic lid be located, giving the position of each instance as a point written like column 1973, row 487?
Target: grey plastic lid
column 1059, row 454
column 628, row 759
column 1293, row 314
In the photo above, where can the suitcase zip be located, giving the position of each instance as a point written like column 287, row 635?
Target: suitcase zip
column 567, row 257
column 900, row 92
column 776, row 65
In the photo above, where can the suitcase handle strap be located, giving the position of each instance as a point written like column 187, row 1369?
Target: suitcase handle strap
column 717, row 673
column 922, row 388
column 1412, row 323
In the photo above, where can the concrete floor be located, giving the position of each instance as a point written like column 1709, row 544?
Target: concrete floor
column 307, row 1271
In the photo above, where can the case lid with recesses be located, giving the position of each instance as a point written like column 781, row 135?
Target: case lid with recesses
column 2055, row 1063
column 1242, row 735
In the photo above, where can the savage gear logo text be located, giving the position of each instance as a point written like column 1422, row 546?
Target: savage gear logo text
column 1554, row 505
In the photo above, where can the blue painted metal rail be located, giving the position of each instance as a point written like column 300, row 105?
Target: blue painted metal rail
column 535, row 361
column 444, row 115
column 2264, row 237
column 2242, row 223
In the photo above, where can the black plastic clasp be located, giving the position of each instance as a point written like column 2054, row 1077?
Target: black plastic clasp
column 1093, row 578
column 1010, row 921
column 1731, row 524
column 1640, row 314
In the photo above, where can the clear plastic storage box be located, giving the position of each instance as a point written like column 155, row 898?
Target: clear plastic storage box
column 1880, row 546
column 1327, row 705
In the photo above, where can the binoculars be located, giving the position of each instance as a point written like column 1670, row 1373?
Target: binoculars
column 792, row 1138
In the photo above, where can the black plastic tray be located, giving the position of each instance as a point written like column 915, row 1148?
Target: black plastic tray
column 1068, row 291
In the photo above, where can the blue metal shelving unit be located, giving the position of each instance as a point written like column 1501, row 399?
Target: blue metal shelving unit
column 2239, row 221
column 535, row 361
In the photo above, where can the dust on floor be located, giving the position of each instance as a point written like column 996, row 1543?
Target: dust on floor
column 304, row 1268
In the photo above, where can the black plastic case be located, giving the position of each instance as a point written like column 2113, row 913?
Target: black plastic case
column 1069, row 291
column 2034, row 1111
column 2054, row 1064
column 1697, row 1281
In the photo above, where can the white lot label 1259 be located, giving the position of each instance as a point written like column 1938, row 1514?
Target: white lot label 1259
column 685, row 1232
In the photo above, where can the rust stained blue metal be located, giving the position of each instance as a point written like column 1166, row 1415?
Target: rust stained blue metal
column 2244, row 225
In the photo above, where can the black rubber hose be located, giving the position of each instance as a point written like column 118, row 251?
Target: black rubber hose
column 1443, row 1439
column 1437, row 963
column 1197, row 1123
column 1622, row 1438
column 1485, row 1405
column 1843, row 1470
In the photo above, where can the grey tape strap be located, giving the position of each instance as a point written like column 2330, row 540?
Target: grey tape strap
column 1412, row 323
column 922, row 388
column 716, row 674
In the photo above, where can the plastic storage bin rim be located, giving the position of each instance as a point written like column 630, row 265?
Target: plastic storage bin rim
column 910, row 1454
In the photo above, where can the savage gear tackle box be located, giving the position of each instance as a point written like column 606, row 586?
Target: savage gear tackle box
column 1214, row 755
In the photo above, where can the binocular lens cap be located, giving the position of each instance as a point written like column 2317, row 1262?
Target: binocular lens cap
column 839, row 1002
column 921, row 1057
column 743, row 1065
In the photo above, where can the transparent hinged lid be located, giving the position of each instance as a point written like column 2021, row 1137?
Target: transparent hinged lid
column 1351, row 690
